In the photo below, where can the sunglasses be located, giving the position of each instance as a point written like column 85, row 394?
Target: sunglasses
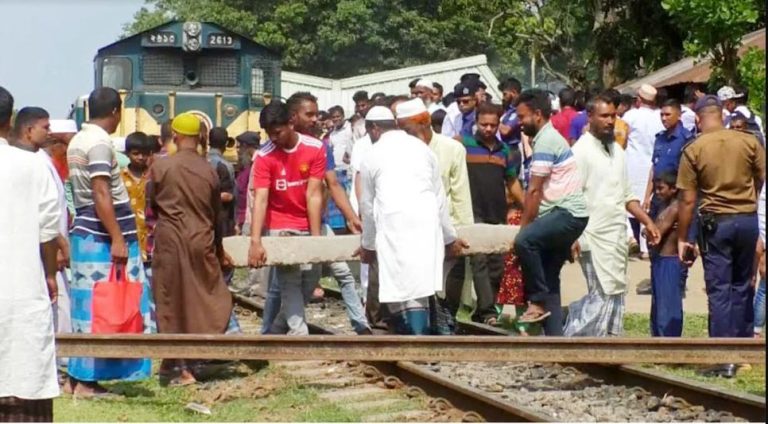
column 463, row 101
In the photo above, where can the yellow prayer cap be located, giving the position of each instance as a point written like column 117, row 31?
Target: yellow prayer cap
column 186, row 124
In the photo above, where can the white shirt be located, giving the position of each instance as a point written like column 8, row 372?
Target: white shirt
column 688, row 118
column 341, row 142
column 644, row 123
column 31, row 217
column 433, row 107
column 607, row 191
column 405, row 217
column 452, row 114
column 359, row 152
column 3, row 142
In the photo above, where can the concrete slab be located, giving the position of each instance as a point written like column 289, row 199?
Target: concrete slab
column 482, row 238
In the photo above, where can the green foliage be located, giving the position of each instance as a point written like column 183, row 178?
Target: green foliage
column 580, row 42
column 715, row 27
column 752, row 76
column 339, row 38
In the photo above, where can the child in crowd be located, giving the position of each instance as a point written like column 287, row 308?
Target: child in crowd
column 666, row 268
column 138, row 147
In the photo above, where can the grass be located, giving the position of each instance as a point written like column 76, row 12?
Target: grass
column 147, row 401
column 749, row 379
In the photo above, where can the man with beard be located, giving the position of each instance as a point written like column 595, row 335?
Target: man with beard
column 601, row 249
column 554, row 212
column 451, row 156
column 424, row 90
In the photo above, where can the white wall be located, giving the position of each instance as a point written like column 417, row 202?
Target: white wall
column 331, row 92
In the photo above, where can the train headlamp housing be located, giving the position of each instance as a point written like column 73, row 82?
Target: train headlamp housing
column 191, row 37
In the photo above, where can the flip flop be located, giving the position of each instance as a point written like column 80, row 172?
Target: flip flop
column 528, row 319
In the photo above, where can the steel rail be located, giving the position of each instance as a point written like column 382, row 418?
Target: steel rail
column 415, row 348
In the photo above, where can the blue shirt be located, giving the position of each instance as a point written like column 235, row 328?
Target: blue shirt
column 330, row 163
column 668, row 148
column 510, row 119
column 468, row 124
column 577, row 126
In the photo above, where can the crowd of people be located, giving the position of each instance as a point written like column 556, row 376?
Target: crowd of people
column 586, row 176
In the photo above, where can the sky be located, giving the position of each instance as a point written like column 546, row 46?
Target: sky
column 48, row 47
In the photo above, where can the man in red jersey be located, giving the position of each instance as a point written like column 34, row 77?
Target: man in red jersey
column 287, row 179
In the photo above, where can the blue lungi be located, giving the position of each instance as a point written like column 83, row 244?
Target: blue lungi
column 91, row 263
column 667, row 288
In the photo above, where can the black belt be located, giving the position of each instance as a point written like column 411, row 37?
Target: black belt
column 721, row 216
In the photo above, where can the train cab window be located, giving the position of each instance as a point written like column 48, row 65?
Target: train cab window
column 257, row 81
column 116, row 73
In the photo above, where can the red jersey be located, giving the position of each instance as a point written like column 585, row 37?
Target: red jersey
column 286, row 173
column 562, row 121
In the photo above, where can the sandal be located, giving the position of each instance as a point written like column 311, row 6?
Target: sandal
column 530, row 317
column 492, row 321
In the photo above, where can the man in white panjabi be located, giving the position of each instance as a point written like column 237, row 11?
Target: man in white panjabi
column 644, row 123
column 602, row 249
column 406, row 223
column 62, row 320
column 28, row 380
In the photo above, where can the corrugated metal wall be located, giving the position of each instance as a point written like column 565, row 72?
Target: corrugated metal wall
column 339, row 92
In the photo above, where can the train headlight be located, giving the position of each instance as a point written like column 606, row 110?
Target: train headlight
column 192, row 44
column 192, row 28
column 191, row 37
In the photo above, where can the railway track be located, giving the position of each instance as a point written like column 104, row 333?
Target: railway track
column 668, row 396
column 445, row 394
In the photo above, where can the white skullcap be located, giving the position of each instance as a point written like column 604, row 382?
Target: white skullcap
column 63, row 126
column 425, row 83
column 647, row 92
column 410, row 108
column 379, row 113
column 119, row 144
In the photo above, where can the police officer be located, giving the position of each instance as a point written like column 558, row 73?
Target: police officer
column 727, row 169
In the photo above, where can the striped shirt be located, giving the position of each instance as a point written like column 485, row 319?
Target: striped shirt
column 90, row 154
column 489, row 170
column 553, row 160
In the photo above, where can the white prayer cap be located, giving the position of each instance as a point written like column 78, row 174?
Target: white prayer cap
column 63, row 126
column 379, row 113
column 119, row 144
column 410, row 108
column 647, row 92
column 425, row 83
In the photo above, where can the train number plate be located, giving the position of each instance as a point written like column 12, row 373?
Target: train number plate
column 218, row 39
column 161, row 38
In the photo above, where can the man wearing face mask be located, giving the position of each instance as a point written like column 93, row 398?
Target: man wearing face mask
column 554, row 212
column 601, row 249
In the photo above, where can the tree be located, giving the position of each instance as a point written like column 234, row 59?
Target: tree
column 715, row 28
column 340, row 38
column 577, row 42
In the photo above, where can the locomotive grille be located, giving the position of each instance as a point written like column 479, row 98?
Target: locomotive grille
column 219, row 71
column 163, row 69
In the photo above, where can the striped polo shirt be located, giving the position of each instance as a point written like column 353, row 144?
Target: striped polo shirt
column 90, row 154
column 553, row 160
column 489, row 169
